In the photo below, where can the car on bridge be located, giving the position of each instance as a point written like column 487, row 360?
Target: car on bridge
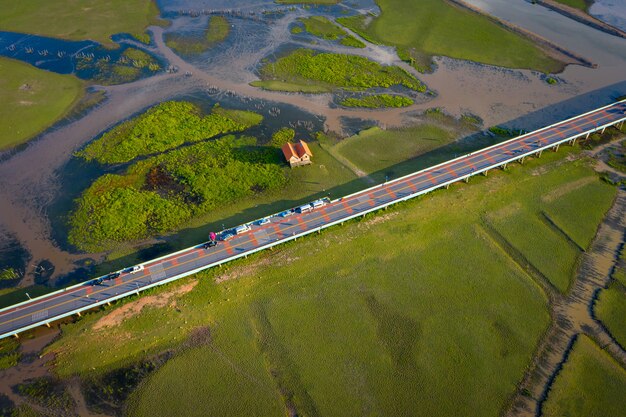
column 112, row 275
column 263, row 221
column 226, row 235
column 135, row 269
column 244, row 228
column 210, row 244
column 286, row 213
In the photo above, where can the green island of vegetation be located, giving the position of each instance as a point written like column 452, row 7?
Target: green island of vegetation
column 132, row 64
column 164, row 127
column 302, row 337
column 421, row 29
column 591, row 383
column 80, row 19
column 307, row 71
column 159, row 194
column 322, row 27
column 377, row 101
column 32, row 100
column 217, row 31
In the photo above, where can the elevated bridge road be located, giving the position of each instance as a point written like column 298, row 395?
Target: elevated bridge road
column 73, row 300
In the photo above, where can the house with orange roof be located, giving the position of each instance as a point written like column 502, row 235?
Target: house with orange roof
column 297, row 153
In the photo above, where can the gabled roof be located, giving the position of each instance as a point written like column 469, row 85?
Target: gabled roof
column 297, row 150
column 303, row 149
column 289, row 151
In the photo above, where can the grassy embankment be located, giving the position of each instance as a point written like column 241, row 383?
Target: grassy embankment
column 330, row 324
column 32, row 100
column 421, row 29
column 323, row 28
column 217, row 31
column 577, row 4
column 80, row 19
column 306, row 71
column 591, row 383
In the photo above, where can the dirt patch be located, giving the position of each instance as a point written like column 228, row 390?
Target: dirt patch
column 567, row 188
column 249, row 270
column 117, row 316
column 380, row 219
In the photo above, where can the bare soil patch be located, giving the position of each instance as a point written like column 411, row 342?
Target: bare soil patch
column 126, row 311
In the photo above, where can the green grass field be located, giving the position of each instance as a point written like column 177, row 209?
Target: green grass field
column 78, row 19
column 353, row 321
column 579, row 212
column 611, row 310
column 32, row 100
column 591, row 384
column 552, row 254
column 375, row 149
column 423, row 28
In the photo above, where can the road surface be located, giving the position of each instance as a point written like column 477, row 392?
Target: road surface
column 72, row 300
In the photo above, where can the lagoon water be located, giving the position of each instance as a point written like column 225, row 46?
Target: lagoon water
column 38, row 182
column 612, row 12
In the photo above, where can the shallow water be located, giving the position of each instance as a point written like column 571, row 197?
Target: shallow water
column 61, row 56
column 612, row 12
column 38, row 183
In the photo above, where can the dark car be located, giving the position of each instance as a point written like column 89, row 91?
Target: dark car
column 210, row 244
column 112, row 275
column 97, row 281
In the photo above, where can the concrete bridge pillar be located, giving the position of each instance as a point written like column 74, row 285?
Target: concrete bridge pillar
column 521, row 160
column 485, row 172
column 539, row 153
column 556, row 148
column 48, row 325
column 503, row 166
column 466, row 180
column 603, row 129
column 588, row 133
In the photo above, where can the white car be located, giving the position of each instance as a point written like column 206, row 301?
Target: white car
column 264, row 220
column 242, row 229
column 135, row 269
column 318, row 203
column 305, row 208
